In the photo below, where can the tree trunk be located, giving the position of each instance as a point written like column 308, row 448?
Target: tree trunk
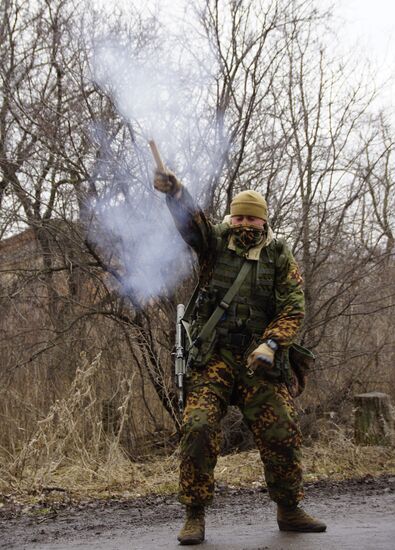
column 374, row 422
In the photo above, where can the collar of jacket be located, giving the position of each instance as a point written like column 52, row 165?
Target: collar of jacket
column 255, row 252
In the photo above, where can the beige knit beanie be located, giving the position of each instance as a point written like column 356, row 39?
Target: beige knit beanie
column 249, row 203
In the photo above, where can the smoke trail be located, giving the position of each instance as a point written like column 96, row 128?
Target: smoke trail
column 165, row 100
column 151, row 255
column 164, row 97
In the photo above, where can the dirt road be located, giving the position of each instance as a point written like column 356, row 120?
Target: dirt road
column 360, row 514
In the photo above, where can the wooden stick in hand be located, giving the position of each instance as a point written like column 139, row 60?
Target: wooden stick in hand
column 158, row 159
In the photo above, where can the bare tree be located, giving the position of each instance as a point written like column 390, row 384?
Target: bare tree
column 278, row 115
column 63, row 143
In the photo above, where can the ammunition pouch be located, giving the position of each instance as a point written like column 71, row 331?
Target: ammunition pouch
column 203, row 331
column 301, row 361
column 236, row 341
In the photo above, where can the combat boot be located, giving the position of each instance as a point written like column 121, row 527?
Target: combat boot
column 193, row 530
column 293, row 518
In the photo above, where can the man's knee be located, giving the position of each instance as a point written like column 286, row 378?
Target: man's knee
column 199, row 435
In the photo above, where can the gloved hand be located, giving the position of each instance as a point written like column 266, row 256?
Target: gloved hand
column 166, row 182
column 262, row 355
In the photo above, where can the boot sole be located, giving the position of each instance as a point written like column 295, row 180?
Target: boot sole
column 301, row 528
column 189, row 542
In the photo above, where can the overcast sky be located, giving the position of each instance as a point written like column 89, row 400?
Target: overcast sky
column 364, row 27
column 372, row 23
column 368, row 27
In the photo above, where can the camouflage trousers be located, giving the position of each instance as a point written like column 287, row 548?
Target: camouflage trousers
column 268, row 410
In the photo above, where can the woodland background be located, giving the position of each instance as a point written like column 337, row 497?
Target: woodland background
column 86, row 370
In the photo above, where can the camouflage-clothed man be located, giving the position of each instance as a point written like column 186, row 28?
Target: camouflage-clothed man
column 245, row 360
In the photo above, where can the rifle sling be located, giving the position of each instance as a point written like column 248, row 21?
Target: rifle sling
column 190, row 305
column 225, row 302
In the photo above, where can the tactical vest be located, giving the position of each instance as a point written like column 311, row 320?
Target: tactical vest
column 254, row 307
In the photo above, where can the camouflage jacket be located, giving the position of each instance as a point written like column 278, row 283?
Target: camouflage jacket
column 201, row 235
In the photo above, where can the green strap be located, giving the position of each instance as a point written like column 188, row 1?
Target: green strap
column 225, row 303
column 191, row 304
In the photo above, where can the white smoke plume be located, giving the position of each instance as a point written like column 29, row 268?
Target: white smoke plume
column 162, row 96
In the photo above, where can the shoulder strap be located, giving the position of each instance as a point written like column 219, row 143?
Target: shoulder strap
column 191, row 303
column 225, row 303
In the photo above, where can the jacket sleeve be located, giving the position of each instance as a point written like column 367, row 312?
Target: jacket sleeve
column 192, row 224
column 289, row 297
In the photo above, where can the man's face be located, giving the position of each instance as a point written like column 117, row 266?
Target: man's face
column 247, row 220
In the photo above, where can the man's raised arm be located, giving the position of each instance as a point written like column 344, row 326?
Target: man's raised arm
column 189, row 219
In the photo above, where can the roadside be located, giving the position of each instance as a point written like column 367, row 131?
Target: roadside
column 359, row 513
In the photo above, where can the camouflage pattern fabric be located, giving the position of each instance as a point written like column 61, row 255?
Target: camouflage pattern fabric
column 268, row 410
column 266, row 404
column 246, row 237
column 202, row 236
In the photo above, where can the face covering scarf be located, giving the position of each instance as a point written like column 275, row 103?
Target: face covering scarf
column 246, row 237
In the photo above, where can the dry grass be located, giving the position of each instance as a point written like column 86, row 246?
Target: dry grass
column 337, row 459
column 71, row 450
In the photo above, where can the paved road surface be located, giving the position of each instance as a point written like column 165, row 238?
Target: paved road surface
column 360, row 515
